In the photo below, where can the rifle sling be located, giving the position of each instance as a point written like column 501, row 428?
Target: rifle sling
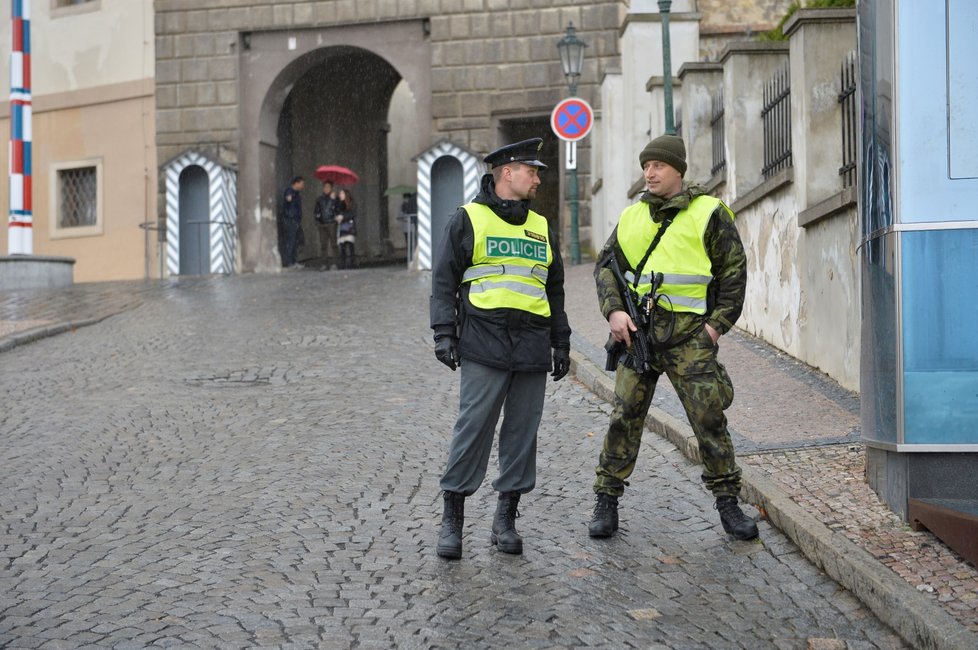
column 655, row 242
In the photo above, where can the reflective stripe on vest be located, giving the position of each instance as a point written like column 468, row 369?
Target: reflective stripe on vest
column 509, row 262
column 681, row 255
column 486, row 270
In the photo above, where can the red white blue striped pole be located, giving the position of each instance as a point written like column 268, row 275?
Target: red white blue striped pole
column 20, row 225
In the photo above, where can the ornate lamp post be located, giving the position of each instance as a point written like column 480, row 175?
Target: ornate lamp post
column 571, row 50
column 664, row 7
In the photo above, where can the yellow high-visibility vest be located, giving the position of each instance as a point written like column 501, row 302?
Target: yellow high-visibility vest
column 680, row 256
column 509, row 263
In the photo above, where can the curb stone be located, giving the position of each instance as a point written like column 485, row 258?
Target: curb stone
column 920, row 622
column 38, row 333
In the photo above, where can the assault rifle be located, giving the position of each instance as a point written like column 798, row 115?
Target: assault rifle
column 640, row 310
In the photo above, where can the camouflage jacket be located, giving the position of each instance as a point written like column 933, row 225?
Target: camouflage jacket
column 725, row 296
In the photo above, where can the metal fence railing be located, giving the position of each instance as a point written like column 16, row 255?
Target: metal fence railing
column 847, row 101
column 719, row 135
column 776, row 120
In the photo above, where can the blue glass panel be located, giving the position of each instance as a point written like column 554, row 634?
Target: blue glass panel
column 940, row 305
column 877, row 365
column 876, row 70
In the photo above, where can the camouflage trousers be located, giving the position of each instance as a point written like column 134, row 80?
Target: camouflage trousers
column 705, row 390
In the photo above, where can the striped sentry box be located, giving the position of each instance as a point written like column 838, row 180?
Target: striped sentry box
column 20, row 240
column 471, row 172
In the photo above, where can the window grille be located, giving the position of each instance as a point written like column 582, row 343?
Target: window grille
column 70, row 3
column 719, row 134
column 776, row 119
column 847, row 101
column 78, row 197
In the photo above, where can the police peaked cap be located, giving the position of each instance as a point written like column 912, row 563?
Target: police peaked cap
column 526, row 152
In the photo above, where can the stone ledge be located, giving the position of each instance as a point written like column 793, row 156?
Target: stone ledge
column 776, row 182
column 754, row 47
column 831, row 206
column 35, row 272
column 818, row 15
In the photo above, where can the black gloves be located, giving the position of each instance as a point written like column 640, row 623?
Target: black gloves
column 446, row 351
column 561, row 363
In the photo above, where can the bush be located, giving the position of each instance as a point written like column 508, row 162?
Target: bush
column 777, row 34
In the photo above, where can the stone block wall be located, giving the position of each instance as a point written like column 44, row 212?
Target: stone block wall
column 489, row 58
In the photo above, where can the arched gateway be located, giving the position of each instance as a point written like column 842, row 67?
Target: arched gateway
column 324, row 96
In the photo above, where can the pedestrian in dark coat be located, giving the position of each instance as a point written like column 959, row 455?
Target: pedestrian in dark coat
column 292, row 220
column 324, row 213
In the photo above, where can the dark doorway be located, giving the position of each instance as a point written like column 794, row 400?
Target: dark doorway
column 547, row 201
column 194, row 221
column 336, row 114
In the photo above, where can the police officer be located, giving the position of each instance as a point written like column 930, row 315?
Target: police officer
column 689, row 237
column 292, row 221
column 497, row 309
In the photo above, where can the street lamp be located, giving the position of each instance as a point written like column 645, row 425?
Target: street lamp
column 571, row 50
column 664, row 7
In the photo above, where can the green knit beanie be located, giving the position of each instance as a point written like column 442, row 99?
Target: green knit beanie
column 669, row 149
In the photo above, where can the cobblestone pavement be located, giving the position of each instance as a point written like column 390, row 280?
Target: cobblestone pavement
column 254, row 461
column 797, row 427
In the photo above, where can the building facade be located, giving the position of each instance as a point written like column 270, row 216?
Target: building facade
column 278, row 88
column 270, row 90
column 94, row 141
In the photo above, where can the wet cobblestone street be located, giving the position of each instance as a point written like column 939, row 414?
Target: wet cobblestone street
column 254, row 461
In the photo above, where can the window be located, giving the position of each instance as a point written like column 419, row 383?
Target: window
column 70, row 7
column 76, row 199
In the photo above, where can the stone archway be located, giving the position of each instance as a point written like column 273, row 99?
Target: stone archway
column 285, row 79
column 337, row 117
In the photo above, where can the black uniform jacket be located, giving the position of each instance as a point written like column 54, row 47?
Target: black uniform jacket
column 509, row 339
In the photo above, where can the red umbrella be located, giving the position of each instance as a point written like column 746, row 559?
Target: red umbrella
column 336, row 174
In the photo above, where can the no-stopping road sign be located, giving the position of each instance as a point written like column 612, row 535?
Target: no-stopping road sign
column 572, row 119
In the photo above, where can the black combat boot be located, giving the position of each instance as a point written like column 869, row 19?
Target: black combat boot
column 450, row 538
column 604, row 523
column 504, row 534
column 734, row 521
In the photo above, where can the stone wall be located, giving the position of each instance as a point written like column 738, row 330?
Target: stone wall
column 799, row 226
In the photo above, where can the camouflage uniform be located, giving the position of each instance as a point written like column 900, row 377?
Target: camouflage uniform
column 683, row 350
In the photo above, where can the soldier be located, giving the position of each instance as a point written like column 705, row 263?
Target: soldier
column 688, row 237
column 497, row 309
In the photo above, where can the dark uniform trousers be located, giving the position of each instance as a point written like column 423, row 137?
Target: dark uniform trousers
column 483, row 391
column 704, row 389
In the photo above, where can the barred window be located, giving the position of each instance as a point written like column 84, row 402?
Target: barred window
column 76, row 196
column 78, row 189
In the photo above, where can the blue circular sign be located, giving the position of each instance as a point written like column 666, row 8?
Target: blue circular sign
column 572, row 119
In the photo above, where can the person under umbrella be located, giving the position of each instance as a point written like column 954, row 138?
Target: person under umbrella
column 346, row 235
